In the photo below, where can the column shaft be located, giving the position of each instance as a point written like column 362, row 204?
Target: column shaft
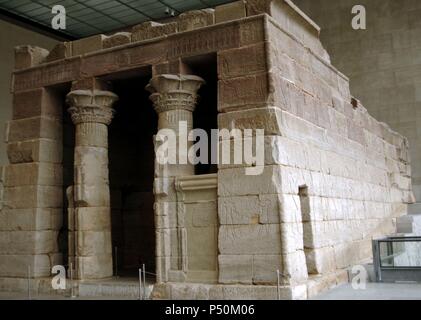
column 91, row 112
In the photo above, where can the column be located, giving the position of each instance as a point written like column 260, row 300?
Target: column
column 174, row 98
column 91, row 112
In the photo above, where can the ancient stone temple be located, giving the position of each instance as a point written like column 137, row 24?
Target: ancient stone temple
column 84, row 188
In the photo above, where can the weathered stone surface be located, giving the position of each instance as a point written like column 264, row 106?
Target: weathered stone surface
column 320, row 261
column 33, row 128
column 235, row 268
column 117, row 39
column 39, row 102
column 268, row 119
column 250, row 239
column 195, row 19
column 87, row 45
column 244, row 92
column 230, row 11
column 249, row 209
column 39, row 150
column 93, row 243
column 29, row 56
column 46, row 75
column 234, row 182
column 94, row 267
column 17, row 265
column 62, row 50
column 150, row 30
column 35, row 197
column 30, row 219
column 28, row 242
column 93, row 218
column 33, row 174
column 265, row 267
column 242, row 61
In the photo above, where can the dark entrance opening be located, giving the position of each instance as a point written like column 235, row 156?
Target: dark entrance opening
column 131, row 170
column 205, row 115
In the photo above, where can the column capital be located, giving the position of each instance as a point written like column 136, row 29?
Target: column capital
column 91, row 106
column 174, row 92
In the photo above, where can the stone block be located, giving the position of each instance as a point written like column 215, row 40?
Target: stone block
column 151, row 29
column 92, row 243
column 264, row 269
column 235, row 269
column 319, row 284
column 204, row 214
column 33, row 128
column 195, row 19
column 38, row 150
column 29, row 56
column 31, row 219
column 234, row 182
column 320, row 261
column 268, row 119
column 164, row 246
column 28, row 242
column 291, row 237
column 242, row 61
column 17, row 265
column 249, row 209
column 244, row 93
column 62, row 50
column 92, row 195
column 230, row 11
column 117, row 39
column 35, row 197
column 295, row 269
column 93, row 218
column 249, row 239
column 38, row 102
column 164, row 189
column 87, row 45
column 33, row 174
column 94, row 267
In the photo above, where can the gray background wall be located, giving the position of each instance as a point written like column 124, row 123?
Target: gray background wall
column 383, row 62
column 10, row 36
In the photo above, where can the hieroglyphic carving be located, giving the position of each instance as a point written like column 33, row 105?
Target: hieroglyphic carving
column 252, row 31
column 204, row 41
column 127, row 58
column 47, row 75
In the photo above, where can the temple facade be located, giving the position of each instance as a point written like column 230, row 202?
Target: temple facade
column 83, row 187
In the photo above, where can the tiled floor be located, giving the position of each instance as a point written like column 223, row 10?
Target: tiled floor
column 374, row 291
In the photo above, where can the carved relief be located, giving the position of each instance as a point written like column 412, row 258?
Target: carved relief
column 91, row 106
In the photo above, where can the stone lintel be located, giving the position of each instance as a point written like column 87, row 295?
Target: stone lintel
column 125, row 57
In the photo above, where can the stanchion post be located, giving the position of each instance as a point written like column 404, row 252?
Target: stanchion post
column 144, row 281
column 116, row 260
column 140, row 284
column 29, row 282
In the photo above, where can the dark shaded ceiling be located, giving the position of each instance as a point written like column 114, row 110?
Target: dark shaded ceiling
column 88, row 17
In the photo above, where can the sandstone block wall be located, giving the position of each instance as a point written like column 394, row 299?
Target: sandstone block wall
column 31, row 214
column 334, row 176
column 382, row 62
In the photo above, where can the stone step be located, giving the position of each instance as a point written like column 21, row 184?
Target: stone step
column 113, row 288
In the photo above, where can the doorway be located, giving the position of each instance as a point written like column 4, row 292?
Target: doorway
column 131, row 172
